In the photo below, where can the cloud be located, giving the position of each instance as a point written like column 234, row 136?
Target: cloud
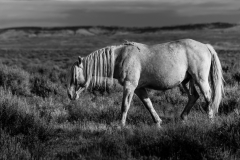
column 209, row 9
column 30, row 13
column 26, row 10
column 181, row 7
column 149, row 1
column 114, row 12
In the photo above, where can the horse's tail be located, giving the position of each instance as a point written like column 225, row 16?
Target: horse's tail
column 216, row 78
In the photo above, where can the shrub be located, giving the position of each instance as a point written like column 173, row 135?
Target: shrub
column 17, row 116
column 50, row 109
column 19, row 119
column 54, row 74
column 231, row 100
column 236, row 76
column 228, row 78
column 42, row 87
column 15, row 79
column 11, row 147
column 57, row 75
column 93, row 108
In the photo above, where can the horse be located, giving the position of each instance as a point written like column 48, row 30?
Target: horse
column 163, row 66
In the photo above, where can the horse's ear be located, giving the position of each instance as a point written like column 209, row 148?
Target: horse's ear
column 80, row 59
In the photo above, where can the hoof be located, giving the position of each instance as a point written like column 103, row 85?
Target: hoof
column 117, row 126
column 183, row 118
column 184, row 121
column 212, row 119
column 158, row 125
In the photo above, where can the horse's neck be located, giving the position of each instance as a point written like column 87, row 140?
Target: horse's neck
column 91, row 73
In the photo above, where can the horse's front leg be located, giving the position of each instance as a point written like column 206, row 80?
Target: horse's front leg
column 128, row 91
column 143, row 95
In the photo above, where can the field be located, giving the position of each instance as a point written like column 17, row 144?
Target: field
column 38, row 121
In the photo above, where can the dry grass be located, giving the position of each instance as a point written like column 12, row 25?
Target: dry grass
column 37, row 121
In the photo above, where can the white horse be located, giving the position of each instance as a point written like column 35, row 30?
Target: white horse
column 162, row 66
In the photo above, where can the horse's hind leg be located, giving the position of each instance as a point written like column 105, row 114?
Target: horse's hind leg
column 128, row 91
column 192, row 97
column 206, row 91
column 142, row 94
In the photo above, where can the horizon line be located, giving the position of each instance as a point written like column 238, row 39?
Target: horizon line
column 117, row 26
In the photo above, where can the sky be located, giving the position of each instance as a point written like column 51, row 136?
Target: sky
column 128, row 13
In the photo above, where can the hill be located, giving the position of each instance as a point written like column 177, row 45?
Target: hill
column 104, row 30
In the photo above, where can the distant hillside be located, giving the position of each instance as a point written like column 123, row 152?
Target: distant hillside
column 107, row 30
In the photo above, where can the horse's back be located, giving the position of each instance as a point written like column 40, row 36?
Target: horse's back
column 164, row 66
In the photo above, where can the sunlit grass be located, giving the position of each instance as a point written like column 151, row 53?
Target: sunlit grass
column 38, row 121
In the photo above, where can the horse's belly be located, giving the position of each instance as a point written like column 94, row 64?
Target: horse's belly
column 158, row 85
column 160, row 81
column 162, row 86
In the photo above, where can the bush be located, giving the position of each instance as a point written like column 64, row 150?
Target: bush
column 22, row 122
column 229, row 80
column 55, row 74
column 102, row 110
column 15, row 79
column 236, row 76
column 17, row 116
column 231, row 100
column 11, row 147
column 42, row 87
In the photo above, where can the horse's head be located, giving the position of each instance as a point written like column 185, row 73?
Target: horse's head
column 77, row 82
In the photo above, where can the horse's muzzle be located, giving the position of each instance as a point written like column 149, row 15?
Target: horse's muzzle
column 71, row 94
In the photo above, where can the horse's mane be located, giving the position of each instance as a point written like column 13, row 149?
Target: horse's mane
column 99, row 67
